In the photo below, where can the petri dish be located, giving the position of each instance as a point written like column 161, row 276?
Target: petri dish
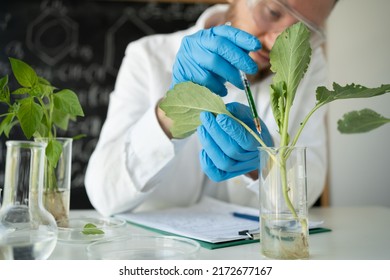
column 143, row 247
column 76, row 230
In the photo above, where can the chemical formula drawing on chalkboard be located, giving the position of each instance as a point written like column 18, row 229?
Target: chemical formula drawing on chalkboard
column 80, row 45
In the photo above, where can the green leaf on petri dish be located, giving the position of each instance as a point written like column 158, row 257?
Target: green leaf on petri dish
column 90, row 228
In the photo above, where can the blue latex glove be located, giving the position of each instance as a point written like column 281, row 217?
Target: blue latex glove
column 212, row 56
column 229, row 149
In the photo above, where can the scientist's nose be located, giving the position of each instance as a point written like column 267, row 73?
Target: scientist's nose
column 268, row 39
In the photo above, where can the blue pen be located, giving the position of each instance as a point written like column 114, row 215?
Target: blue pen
column 246, row 216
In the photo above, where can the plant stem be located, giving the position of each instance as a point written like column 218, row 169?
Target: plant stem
column 285, row 153
column 282, row 163
column 306, row 119
column 47, row 116
column 51, row 108
column 283, row 174
column 284, row 137
column 293, row 143
column 51, row 180
column 254, row 134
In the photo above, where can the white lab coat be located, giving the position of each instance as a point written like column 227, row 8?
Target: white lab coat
column 136, row 167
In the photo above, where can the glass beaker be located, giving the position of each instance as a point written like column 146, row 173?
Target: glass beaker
column 283, row 203
column 27, row 230
column 56, row 186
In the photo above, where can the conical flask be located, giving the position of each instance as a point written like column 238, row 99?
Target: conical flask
column 27, row 230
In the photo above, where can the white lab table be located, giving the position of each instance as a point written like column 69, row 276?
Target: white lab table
column 360, row 233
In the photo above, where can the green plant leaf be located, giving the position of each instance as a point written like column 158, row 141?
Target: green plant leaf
column 68, row 102
column 60, row 119
column 90, row 228
column 278, row 98
column 6, row 124
column 43, row 81
column 348, row 91
column 361, row 121
column 45, row 89
column 3, row 82
column 79, row 136
column 4, row 90
column 290, row 57
column 29, row 115
column 185, row 102
column 36, row 91
column 53, row 152
column 21, row 91
column 9, row 127
column 42, row 130
column 23, row 72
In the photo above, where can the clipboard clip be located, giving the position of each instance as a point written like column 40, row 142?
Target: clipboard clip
column 253, row 234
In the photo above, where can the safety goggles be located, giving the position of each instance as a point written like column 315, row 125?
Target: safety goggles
column 273, row 15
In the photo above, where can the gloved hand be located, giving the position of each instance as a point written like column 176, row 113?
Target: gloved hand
column 212, row 56
column 229, row 149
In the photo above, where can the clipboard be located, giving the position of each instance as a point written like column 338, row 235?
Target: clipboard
column 204, row 244
column 209, row 222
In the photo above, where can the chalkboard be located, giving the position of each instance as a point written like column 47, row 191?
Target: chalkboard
column 79, row 45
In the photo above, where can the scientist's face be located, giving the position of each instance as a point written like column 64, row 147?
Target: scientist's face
column 266, row 19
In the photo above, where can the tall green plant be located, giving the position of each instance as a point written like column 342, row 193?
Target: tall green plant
column 38, row 107
column 289, row 57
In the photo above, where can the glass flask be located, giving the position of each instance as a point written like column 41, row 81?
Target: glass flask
column 27, row 230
